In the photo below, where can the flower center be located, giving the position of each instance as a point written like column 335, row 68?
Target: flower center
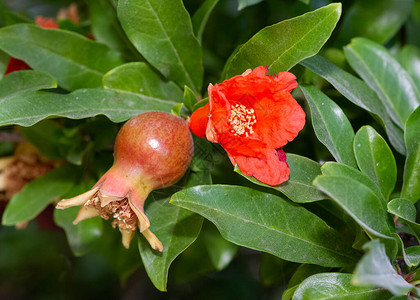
column 124, row 216
column 242, row 120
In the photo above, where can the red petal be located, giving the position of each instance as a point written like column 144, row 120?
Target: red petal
column 269, row 169
column 16, row 65
column 219, row 114
column 279, row 119
column 44, row 22
column 198, row 121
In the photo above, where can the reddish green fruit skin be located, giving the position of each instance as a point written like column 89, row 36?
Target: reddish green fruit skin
column 152, row 150
column 156, row 145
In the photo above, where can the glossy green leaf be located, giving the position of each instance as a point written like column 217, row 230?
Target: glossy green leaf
column 245, row 3
column 405, row 210
column 139, row 78
column 274, row 271
column 336, row 286
column 203, row 257
column 411, row 184
column 176, row 228
column 359, row 93
column 37, row 194
column 359, row 201
column 107, row 30
column 75, row 61
column 189, row 98
column 299, row 187
column 375, row 270
column 176, row 109
column 162, row 32
column 201, row 16
column 81, row 237
column 381, row 71
column 221, row 252
column 336, row 169
column 409, row 58
column 31, row 107
column 375, row 159
column 244, row 216
column 377, row 20
column 331, row 126
column 288, row 293
column 303, row 272
column 25, row 81
column 412, row 256
column 295, row 39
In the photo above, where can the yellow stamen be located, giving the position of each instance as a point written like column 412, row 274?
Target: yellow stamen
column 242, row 120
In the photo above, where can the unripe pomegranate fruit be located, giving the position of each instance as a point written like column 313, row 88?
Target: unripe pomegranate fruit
column 152, row 150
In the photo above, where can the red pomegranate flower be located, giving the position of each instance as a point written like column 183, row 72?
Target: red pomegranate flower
column 252, row 116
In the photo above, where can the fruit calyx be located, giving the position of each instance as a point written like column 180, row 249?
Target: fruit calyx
column 152, row 150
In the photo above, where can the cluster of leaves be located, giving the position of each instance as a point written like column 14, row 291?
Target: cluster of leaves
column 341, row 226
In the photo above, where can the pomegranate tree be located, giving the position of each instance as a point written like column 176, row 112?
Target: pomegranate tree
column 152, row 151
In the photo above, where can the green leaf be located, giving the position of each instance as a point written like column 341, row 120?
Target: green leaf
column 336, row 169
column 176, row 228
column 359, row 201
column 295, row 39
column 375, row 159
column 409, row 58
column 221, row 252
column 411, row 184
column 189, row 98
column 176, row 109
column 31, row 107
column 107, row 30
column 37, row 194
column 375, row 269
column 299, row 187
column 81, row 237
column 201, row 103
column 75, row 61
column 381, row 71
column 288, row 293
column 336, row 286
column 245, row 3
column 331, row 126
column 201, row 16
column 25, row 81
column 4, row 61
column 162, row 32
column 51, row 138
column 412, row 256
column 267, row 223
column 274, row 270
column 303, row 272
column 139, row 78
column 193, row 263
column 377, row 20
column 358, row 93
column 405, row 210
column 403, row 297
